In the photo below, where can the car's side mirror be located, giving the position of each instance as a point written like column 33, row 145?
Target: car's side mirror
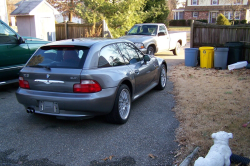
column 146, row 58
column 21, row 40
column 126, row 32
column 161, row 34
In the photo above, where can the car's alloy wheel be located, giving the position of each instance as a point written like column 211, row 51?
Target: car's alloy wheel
column 121, row 110
column 124, row 104
column 151, row 50
column 163, row 78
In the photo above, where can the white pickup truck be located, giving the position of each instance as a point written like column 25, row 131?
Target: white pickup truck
column 154, row 37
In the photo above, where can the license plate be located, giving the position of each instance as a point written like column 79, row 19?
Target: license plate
column 48, row 107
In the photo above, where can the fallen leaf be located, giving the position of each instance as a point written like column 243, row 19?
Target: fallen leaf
column 152, row 156
column 110, row 157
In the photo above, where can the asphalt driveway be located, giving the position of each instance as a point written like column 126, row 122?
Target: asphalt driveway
column 146, row 139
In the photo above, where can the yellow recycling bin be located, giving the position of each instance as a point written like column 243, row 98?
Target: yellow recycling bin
column 206, row 57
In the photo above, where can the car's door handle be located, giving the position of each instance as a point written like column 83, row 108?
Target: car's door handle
column 136, row 71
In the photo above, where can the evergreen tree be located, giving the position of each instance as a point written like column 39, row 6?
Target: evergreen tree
column 120, row 15
column 222, row 20
column 157, row 11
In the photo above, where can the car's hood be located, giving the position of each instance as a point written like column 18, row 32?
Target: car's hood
column 137, row 38
column 29, row 39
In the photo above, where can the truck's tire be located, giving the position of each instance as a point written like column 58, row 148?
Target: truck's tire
column 177, row 49
column 151, row 50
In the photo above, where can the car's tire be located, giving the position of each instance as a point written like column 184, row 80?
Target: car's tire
column 163, row 78
column 177, row 49
column 121, row 110
column 151, row 50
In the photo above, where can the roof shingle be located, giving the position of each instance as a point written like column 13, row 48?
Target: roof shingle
column 25, row 7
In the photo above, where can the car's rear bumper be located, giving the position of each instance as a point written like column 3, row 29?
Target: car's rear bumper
column 69, row 104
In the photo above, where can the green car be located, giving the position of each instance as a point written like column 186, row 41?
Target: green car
column 14, row 52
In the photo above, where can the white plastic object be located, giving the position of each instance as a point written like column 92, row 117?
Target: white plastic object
column 237, row 65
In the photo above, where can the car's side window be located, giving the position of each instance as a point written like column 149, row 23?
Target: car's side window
column 139, row 53
column 163, row 29
column 110, row 56
column 7, row 36
column 129, row 52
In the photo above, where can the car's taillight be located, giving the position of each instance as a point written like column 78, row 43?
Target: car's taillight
column 23, row 84
column 87, row 86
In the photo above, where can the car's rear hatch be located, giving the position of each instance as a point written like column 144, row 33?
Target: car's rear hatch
column 55, row 68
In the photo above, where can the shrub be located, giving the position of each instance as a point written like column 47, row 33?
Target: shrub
column 243, row 21
column 222, row 20
column 189, row 22
column 204, row 21
column 236, row 22
column 177, row 23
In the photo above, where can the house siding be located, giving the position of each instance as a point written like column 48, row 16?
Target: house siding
column 25, row 30
column 37, row 21
column 205, row 9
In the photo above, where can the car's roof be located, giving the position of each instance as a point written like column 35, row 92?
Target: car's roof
column 151, row 24
column 87, row 42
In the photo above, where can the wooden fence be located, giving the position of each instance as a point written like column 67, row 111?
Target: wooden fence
column 72, row 30
column 203, row 34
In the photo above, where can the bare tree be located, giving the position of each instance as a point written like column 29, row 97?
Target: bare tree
column 233, row 6
column 171, row 5
column 11, row 7
column 66, row 7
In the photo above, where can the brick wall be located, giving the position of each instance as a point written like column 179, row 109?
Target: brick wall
column 203, row 15
column 188, row 15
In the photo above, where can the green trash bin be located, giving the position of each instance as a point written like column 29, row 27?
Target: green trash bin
column 235, row 53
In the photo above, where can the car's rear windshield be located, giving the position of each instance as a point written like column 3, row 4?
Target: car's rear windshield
column 59, row 57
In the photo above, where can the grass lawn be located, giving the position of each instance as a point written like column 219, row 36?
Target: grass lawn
column 208, row 101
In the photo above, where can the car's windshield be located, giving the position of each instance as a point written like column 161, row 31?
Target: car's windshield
column 143, row 30
column 59, row 57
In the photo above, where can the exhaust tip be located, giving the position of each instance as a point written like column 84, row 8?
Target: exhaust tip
column 30, row 110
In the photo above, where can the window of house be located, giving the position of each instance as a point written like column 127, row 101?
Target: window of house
column 194, row 2
column 237, row 15
column 238, row 2
column 229, row 15
column 214, row 2
column 178, row 15
column 195, row 14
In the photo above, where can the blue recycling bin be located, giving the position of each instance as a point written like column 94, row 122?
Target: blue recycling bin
column 191, row 55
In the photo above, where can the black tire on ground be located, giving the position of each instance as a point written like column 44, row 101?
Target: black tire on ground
column 121, row 110
column 151, row 50
column 177, row 49
column 163, row 78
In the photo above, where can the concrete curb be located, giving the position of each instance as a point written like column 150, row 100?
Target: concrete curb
column 188, row 159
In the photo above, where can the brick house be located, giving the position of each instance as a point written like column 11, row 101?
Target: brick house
column 209, row 10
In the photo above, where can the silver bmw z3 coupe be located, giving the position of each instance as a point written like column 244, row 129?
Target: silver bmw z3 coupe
column 88, row 77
